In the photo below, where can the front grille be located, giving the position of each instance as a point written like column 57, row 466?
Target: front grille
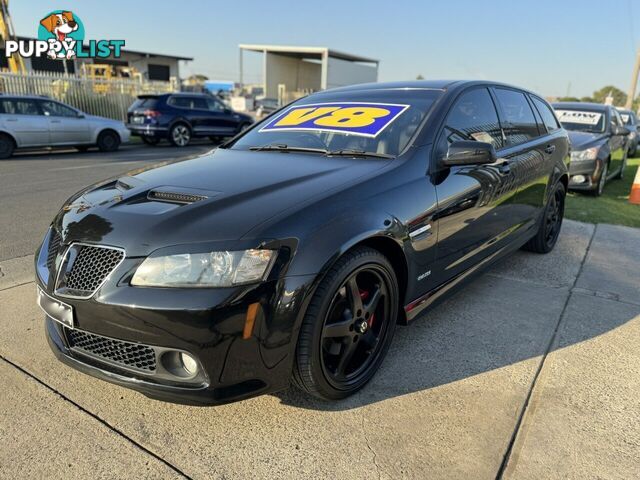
column 125, row 354
column 175, row 197
column 54, row 246
column 91, row 267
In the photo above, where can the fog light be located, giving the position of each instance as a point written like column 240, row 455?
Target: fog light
column 578, row 179
column 189, row 363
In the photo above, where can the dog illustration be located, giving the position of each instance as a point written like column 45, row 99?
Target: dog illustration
column 61, row 25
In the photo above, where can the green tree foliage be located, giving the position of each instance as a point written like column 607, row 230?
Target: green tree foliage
column 619, row 97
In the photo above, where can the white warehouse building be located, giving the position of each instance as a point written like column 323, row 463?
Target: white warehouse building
column 290, row 72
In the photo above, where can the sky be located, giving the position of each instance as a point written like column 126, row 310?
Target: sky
column 556, row 48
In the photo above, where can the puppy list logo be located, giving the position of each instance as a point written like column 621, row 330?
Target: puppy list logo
column 61, row 37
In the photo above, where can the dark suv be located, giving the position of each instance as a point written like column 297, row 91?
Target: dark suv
column 179, row 117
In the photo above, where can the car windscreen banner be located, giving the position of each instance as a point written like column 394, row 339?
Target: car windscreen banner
column 355, row 118
column 580, row 117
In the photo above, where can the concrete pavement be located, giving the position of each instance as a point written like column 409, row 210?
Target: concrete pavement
column 530, row 372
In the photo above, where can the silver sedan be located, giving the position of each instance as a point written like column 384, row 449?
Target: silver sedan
column 29, row 121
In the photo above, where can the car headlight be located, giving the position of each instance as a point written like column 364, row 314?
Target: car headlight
column 212, row 269
column 584, row 155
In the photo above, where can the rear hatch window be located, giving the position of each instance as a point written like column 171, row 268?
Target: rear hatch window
column 142, row 109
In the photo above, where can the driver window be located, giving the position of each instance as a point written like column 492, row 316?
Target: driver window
column 57, row 110
column 615, row 118
column 473, row 117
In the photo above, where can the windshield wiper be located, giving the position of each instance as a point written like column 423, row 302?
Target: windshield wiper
column 281, row 147
column 348, row 152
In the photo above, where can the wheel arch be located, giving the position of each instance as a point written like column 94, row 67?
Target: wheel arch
column 11, row 136
column 178, row 120
column 396, row 256
column 108, row 129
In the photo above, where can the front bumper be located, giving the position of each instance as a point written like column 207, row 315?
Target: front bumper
column 588, row 172
column 208, row 324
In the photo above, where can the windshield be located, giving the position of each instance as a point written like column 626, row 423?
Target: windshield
column 627, row 118
column 582, row 120
column 379, row 122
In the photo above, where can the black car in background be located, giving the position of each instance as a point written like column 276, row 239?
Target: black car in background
column 630, row 120
column 293, row 250
column 598, row 144
column 179, row 117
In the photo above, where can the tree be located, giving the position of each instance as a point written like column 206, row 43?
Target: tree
column 619, row 97
column 419, row 77
column 196, row 79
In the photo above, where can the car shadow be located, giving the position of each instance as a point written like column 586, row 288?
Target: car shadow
column 495, row 322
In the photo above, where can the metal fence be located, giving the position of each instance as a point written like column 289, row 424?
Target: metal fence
column 105, row 97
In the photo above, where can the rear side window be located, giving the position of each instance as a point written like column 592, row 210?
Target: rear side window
column 180, row 102
column 519, row 123
column 200, row 103
column 7, row 106
column 19, row 107
column 473, row 117
column 548, row 118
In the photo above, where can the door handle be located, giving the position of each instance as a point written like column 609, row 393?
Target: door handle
column 550, row 149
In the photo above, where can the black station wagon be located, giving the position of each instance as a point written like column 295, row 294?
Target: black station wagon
column 291, row 252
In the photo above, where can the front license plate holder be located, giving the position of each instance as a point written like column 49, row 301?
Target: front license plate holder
column 55, row 309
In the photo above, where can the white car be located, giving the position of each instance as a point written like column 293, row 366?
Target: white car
column 31, row 121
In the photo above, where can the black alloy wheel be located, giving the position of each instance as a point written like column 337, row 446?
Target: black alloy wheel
column 553, row 218
column 550, row 224
column 348, row 326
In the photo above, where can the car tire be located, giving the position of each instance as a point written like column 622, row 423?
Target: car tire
column 343, row 339
column 108, row 141
column 150, row 140
column 180, row 135
column 620, row 174
column 602, row 181
column 7, row 146
column 550, row 224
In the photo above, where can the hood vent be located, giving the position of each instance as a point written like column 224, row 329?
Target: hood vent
column 175, row 197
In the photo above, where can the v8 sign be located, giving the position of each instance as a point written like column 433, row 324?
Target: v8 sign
column 365, row 119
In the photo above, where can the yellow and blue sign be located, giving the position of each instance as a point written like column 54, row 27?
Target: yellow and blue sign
column 356, row 118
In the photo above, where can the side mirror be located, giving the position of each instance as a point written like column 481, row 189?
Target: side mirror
column 228, row 111
column 618, row 130
column 467, row 152
column 81, row 115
